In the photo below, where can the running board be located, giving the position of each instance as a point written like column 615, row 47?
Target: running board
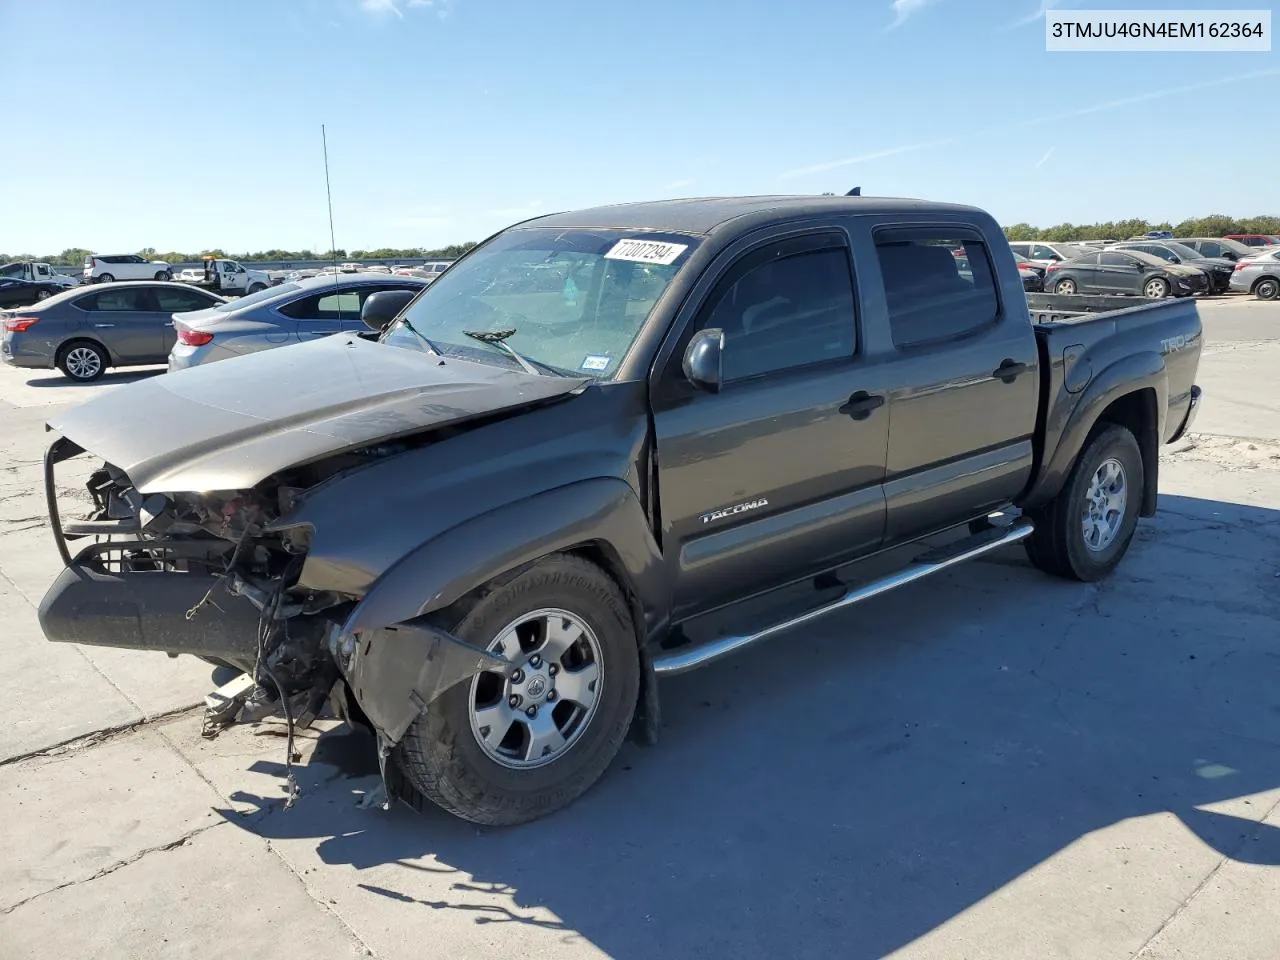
column 930, row 562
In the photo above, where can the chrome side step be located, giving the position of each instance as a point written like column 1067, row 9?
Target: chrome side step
column 930, row 562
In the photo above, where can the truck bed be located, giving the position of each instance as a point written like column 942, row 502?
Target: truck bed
column 1057, row 306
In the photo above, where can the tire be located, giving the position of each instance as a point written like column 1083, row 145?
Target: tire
column 1067, row 286
column 1156, row 288
column 1268, row 288
column 441, row 755
column 83, row 361
column 163, row 275
column 255, row 287
column 105, row 278
column 43, row 294
column 1058, row 545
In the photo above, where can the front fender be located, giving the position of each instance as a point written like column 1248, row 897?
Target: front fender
column 1071, row 423
column 402, row 663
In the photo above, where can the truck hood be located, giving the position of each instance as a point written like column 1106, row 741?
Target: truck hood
column 229, row 425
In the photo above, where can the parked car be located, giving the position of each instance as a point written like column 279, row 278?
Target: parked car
column 290, row 313
column 24, row 282
column 1259, row 275
column 1045, row 254
column 1218, row 269
column 483, row 532
column 108, row 267
column 1218, row 247
column 1025, row 264
column 1254, row 239
column 1129, row 272
column 83, row 331
column 429, row 270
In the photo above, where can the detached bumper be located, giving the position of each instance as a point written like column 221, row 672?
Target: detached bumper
column 148, row 611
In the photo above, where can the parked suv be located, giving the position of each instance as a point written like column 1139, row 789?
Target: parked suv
column 105, row 267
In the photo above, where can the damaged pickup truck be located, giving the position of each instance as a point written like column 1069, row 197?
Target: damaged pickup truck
column 485, row 527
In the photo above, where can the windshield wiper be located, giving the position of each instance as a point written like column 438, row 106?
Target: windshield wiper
column 499, row 339
column 421, row 336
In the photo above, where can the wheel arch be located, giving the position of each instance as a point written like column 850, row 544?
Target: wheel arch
column 404, row 661
column 1132, row 393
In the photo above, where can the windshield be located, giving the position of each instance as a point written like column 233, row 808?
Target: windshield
column 267, row 293
column 1182, row 250
column 570, row 302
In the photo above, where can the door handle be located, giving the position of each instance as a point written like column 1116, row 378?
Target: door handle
column 1009, row 370
column 860, row 405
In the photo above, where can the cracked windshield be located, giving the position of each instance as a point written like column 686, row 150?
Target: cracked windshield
column 563, row 302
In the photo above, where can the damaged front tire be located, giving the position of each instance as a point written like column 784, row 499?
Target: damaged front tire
column 501, row 750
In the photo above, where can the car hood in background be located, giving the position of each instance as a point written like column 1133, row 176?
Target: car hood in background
column 229, row 425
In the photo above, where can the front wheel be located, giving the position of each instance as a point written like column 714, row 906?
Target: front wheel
column 1267, row 289
column 105, row 278
column 1155, row 288
column 255, row 287
column 501, row 751
column 163, row 275
column 1083, row 533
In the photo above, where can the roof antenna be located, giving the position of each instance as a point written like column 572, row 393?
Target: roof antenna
column 333, row 244
column 855, row 192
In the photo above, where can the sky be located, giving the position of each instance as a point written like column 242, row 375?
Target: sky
column 190, row 126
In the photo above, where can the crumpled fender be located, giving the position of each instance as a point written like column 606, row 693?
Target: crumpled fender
column 1071, row 424
column 395, row 679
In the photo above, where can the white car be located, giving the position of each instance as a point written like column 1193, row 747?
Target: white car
column 105, row 267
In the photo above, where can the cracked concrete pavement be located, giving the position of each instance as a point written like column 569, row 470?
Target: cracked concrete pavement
column 990, row 764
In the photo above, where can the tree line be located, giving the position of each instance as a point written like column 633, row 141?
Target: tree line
column 75, row 255
column 1216, row 225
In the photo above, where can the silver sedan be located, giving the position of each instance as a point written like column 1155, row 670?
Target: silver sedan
column 293, row 312
column 1259, row 275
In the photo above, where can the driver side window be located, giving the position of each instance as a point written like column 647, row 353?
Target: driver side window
column 784, row 307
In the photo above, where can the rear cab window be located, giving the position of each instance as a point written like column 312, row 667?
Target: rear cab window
column 939, row 284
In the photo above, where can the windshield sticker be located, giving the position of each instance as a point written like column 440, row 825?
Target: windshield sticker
column 595, row 363
column 646, row 251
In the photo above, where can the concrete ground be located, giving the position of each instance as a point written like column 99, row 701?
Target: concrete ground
column 990, row 764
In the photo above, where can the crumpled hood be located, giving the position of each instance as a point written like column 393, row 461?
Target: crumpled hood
column 229, row 425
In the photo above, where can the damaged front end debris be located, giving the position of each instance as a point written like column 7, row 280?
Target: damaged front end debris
column 213, row 575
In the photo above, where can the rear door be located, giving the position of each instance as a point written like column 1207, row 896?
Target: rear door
column 1120, row 273
column 168, row 300
column 124, row 320
column 962, row 408
column 778, row 474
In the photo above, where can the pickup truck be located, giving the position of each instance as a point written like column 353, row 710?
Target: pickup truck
column 484, row 528
column 24, row 282
column 226, row 277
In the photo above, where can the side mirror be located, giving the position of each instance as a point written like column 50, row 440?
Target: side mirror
column 384, row 306
column 702, row 359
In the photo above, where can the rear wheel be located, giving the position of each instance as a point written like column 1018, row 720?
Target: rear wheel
column 43, row 294
column 1083, row 533
column 83, row 360
column 501, row 751
column 1065, row 286
column 1267, row 288
column 1155, row 288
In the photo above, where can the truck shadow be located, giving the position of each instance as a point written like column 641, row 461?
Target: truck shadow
column 847, row 790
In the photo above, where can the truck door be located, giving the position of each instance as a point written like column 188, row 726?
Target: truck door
column 778, row 474
column 232, row 281
column 963, row 405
